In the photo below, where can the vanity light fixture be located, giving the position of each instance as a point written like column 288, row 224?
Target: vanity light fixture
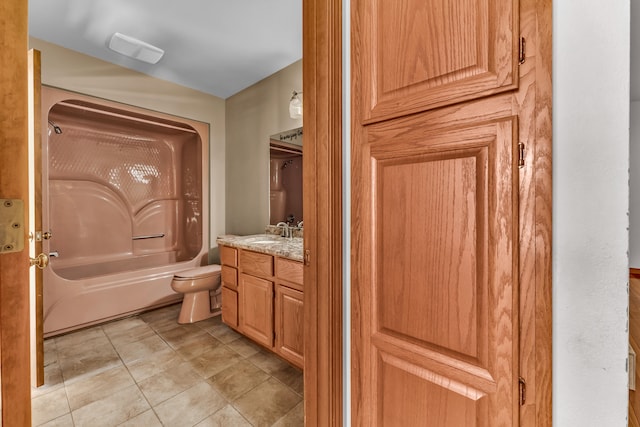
column 134, row 48
column 295, row 105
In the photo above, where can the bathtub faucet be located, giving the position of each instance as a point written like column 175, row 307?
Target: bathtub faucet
column 54, row 254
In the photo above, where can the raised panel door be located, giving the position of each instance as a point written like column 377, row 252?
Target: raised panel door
column 437, row 281
column 414, row 55
column 256, row 311
column 290, row 325
column 229, row 307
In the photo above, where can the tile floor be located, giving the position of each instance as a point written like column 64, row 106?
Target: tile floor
column 148, row 370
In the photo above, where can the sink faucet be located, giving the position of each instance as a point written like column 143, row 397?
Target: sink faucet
column 285, row 229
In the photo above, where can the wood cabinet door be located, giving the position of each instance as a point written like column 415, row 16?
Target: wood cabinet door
column 290, row 325
column 256, row 311
column 437, row 282
column 417, row 54
column 435, row 217
column 229, row 307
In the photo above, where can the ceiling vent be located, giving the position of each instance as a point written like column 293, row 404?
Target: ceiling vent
column 134, row 48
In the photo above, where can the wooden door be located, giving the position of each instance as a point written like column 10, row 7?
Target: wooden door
column 289, row 323
column 442, row 216
column 14, row 273
column 35, row 218
column 256, row 310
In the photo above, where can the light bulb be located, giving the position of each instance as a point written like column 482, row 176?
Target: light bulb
column 295, row 106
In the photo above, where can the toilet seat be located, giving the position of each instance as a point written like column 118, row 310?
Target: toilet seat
column 198, row 272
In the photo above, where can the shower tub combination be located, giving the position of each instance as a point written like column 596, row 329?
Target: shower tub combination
column 125, row 196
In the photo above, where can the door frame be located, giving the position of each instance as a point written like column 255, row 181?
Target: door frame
column 14, row 272
column 322, row 206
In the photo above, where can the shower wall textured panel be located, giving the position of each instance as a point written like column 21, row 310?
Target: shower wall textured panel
column 107, row 189
column 138, row 169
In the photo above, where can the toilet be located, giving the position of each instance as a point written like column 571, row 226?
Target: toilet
column 196, row 284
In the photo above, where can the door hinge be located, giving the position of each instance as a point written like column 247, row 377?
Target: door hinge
column 522, row 54
column 523, row 390
column 520, row 155
column 307, row 257
column 11, row 225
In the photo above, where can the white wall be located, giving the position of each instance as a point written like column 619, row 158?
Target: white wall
column 67, row 69
column 252, row 116
column 590, row 204
column 634, row 184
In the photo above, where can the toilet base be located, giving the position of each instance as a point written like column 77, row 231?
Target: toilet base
column 196, row 306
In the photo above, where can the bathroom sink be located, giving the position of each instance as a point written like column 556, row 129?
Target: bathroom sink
column 263, row 240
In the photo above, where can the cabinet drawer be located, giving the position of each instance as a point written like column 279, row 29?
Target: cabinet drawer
column 229, row 277
column 230, row 307
column 228, row 256
column 256, row 263
column 291, row 271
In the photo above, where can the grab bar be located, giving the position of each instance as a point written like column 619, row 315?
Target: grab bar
column 148, row 236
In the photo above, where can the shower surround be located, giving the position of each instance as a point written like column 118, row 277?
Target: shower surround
column 125, row 196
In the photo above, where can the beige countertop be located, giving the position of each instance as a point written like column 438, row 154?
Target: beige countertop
column 266, row 243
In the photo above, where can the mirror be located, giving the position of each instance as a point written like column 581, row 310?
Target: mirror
column 285, row 177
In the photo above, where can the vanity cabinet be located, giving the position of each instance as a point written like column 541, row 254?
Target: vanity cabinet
column 262, row 298
column 229, row 292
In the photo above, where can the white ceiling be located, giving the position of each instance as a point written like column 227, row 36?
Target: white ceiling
column 218, row 47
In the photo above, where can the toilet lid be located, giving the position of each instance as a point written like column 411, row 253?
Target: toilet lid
column 195, row 273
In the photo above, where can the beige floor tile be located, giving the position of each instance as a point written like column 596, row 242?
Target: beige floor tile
column 238, row 379
column 214, row 361
column 49, row 406
column 225, row 417
column 171, row 322
column 224, row 333
column 161, row 313
column 294, row 418
column 96, row 387
column 244, row 347
column 208, row 323
column 81, row 337
column 191, row 406
column 141, row 349
column 164, row 323
column 63, row 421
column 268, row 362
column 188, row 373
column 198, row 346
column 181, row 335
column 153, row 364
column 50, row 351
column 291, row 377
column 120, row 338
column 169, row 383
column 113, row 410
column 146, row 419
column 267, row 403
column 52, row 380
column 119, row 326
column 88, row 360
